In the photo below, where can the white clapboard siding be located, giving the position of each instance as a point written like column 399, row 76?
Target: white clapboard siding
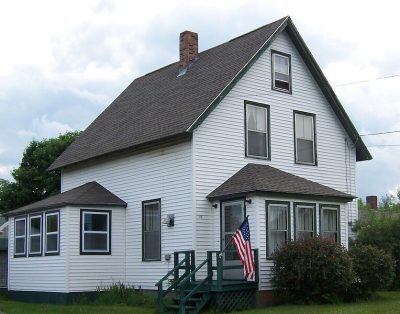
column 87, row 272
column 41, row 273
column 164, row 173
column 219, row 149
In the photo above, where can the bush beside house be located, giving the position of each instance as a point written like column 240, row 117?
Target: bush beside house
column 320, row 271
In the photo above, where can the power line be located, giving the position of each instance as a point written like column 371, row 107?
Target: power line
column 395, row 145
column 366, row 81
column 380, row 133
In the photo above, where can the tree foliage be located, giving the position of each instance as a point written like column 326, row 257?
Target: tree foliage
column 32, row 180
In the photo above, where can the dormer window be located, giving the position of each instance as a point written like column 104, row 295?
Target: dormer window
column 281, row 72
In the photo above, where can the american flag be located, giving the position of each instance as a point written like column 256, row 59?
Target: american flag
column 241, row 239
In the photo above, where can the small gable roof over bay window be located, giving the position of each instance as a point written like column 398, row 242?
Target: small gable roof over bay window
column 254, row 178
column 162, row 105
column 91, row 193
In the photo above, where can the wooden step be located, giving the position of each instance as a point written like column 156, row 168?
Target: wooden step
column 177, row 307
column 189, row 300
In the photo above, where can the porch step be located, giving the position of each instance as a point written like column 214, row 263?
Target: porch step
column 177, row 306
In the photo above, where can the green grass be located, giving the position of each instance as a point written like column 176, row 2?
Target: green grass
column 384, row 303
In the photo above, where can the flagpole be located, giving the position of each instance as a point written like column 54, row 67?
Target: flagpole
column 230, row 240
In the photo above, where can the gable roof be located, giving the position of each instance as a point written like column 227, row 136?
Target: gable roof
column 162, row 105
column 255, row 178
column 91, row 193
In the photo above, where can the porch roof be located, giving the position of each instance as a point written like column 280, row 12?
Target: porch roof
column 91, row 193
column 255, row 178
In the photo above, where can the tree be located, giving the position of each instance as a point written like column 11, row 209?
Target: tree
column 32, row 180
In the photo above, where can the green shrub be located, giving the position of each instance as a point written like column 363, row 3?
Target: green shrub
column 120, row 293
column 381, row 228
column 312, row 271
column 373, row 269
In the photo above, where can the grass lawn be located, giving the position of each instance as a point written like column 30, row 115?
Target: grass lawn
column 384, row 303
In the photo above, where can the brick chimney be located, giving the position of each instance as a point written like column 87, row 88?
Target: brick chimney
column 188, row 50
column 372, row 202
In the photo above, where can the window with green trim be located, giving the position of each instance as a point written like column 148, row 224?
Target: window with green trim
column 278, row 221
column 257, row 130
column 305, row 221
column 329, row 218
column 305, row 138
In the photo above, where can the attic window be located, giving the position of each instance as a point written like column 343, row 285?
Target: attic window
column 281, row 72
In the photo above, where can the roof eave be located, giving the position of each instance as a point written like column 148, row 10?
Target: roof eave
column 331, row 198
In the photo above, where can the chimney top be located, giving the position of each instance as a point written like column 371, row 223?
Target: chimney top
column 372, row 201
column 188, row 50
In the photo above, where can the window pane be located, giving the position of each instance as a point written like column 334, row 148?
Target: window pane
column 20, row 245
column 329, row 220
column 233, row 217
column 281, row 64
column 95, row 242
column 281, row 77
column 230, row 251
column 299, row 126
column 34, row 244
column 277, row 216
column 305, row 150
column 20, row 227
column 256, row 118
column 95, row 222
column 152, row 217
column 51, row 242
column 276, row 240
column 257, row 144
column 52, row 223
column 152, row 245
column 304, row 235
column 331, row 236
column 35, row 225
column 308, row 128
column 305, row 219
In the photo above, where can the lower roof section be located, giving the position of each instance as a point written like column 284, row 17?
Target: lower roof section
column 255, row 178
column 91, row 193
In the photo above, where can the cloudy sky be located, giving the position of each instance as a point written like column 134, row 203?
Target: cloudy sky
column 63, row 62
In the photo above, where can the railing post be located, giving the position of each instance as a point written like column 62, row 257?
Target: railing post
column 256, row 264
column 176, row 262
column 192, row 264
column 160, row 298
column 220, row 270
column 209, row 265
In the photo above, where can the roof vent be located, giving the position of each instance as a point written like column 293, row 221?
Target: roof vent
column 188, row 50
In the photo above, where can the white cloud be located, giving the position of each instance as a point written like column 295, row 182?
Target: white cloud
column 5, row 171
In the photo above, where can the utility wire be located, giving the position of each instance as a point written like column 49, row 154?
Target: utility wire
column 366, row 81
column 396, row 145
column 380, row 133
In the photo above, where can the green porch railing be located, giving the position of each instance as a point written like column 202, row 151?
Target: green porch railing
column 187, row 284
column 187, row 264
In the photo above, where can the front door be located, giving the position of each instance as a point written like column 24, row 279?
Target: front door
column 232, row 216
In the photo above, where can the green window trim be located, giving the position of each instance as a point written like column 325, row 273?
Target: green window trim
column 289, row 220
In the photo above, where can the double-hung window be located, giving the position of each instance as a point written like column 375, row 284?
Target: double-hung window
column 52, row 233
column 20, row 237
column 35, row 235
column 151, row 237
column 281, row 72
column 257, row 130
column 304, row 221
column 278, row 222
column 329, row 222
column 305, row 138
column 95, row 231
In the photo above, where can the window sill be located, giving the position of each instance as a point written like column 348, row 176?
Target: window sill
column 306, row 164
column 282, row 90
column 52, row 254
column 35, row 255
column 95, row 253
column 258, row 157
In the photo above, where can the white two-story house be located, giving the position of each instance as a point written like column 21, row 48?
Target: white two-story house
column 175, row 163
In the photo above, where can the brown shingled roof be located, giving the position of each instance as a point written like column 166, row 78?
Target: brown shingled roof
column 254, row 178
column 162, row 105
column 90, row 193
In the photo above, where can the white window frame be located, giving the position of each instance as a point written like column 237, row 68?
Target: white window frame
column 289, row 74
column 46, row 233
column 321, row 215
column 83, row 232
column 267, row 136
column 312, row 116
column 20, row 236
column 296, row 220
column 30, row 236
